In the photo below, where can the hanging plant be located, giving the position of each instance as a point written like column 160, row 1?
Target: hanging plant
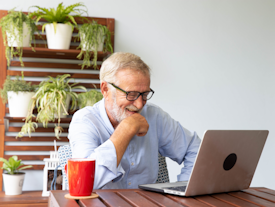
column 50, row 100
column 12, row 31
column 92, row 35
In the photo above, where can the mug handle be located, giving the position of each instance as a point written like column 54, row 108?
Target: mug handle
column 65, row 168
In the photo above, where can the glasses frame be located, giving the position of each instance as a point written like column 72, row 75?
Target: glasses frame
column 127, row 92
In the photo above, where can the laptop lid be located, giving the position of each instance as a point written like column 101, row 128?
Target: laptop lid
column 226, row 161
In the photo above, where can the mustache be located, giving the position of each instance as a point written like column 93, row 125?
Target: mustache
column 133, row 108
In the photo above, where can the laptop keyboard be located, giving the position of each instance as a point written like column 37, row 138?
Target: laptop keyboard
column 178, row 188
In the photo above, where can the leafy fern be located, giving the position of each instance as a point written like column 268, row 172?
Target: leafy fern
column 61, row 14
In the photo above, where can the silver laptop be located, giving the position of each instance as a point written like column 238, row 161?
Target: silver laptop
column 226, row 161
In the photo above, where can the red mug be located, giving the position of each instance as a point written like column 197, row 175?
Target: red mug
column 80, row 173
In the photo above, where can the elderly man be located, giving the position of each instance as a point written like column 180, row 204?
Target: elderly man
column 124, row 133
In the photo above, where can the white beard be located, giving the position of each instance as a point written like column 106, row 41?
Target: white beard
column 119, row 114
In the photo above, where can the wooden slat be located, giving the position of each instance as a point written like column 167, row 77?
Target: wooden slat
column 50, row 65
column 266, row 190
column 87, row 85
column 233, row 200
column 112, row 199
column 52, row 74
column 22, row 119
column 2, row 142
column 209, row 200
column 29, row 157
column 39, row 129
column 36, row 139
column 27, row 198
column 29, row 148
column 99, row 20
column 260, row 194
column 135, row 199
column 252, row 199
column 57, row 54
column 91, row 202
column 159, row 199
column 187, row 201
column 35, row 167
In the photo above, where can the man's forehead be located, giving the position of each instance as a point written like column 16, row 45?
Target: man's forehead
column 131, row 72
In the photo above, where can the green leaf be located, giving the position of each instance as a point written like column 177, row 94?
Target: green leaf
column 25, row 167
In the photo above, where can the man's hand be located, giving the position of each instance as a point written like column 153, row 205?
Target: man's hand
column 137, row 123
column 133, row 125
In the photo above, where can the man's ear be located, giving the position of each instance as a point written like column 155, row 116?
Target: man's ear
column 104, row 88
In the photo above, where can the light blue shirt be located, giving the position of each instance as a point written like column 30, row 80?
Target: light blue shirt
column 89, row 133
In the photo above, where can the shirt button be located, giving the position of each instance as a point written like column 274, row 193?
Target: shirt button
column 129, row 183
column 132, row 163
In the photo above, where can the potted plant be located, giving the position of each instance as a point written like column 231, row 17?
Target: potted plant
column 50, row 100
column 13, row 179
column 18, row 93
column 89, row 98
column 61, row 23
column 18, row 31
column 93, row 37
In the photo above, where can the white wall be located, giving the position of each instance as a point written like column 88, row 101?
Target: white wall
column 212, row 61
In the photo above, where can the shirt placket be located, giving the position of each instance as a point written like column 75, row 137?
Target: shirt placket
column 130, row 179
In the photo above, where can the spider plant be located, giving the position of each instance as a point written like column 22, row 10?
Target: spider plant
column 12, row 32
column 50, row 101
column 61, row 14
column 91, row 36
column 89, row 98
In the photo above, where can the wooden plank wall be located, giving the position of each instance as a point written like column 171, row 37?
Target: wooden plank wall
column 37, row 66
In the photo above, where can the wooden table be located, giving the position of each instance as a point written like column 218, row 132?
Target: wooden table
column 251, row 197
column 26, row 199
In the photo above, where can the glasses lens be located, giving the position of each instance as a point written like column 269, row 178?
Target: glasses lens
column 147, row 95
column 132, row 96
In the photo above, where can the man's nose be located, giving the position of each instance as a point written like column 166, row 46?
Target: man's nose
column 139, row 103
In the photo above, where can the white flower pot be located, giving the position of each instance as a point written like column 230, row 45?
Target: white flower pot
column 86, row 46
column 13, row 40
column 61, row 39
column 13, row 183
column 19, row 103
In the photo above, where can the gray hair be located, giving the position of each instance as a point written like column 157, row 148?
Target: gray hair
column 119, row 61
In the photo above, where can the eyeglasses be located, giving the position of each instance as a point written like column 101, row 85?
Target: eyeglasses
column 133, row 95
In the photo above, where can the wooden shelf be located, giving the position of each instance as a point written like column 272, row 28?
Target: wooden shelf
column 22, row 119
column 58, row 54
column 38, row 64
